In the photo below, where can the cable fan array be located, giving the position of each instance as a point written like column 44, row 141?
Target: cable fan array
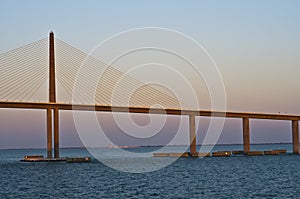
column 87, row 80
column 23, row 71
column 24, row 77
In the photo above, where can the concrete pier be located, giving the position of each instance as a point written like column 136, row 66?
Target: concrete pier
column 49, row 133
column 246, row 134
column 56, row 134
column 295, row 132
column 192, row 127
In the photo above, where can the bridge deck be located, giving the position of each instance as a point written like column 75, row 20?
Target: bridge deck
column 145, row 110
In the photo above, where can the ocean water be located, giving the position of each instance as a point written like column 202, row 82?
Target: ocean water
column 213, row 177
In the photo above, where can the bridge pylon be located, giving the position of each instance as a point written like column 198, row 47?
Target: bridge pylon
column 52, row 113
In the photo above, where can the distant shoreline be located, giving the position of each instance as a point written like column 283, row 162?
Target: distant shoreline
column 128, row 147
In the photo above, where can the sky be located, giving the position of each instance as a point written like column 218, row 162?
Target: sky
column 255, row 44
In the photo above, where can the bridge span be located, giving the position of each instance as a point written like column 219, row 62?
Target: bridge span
column 144, row 110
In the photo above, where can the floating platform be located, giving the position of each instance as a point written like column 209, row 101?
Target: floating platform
column 41, row 158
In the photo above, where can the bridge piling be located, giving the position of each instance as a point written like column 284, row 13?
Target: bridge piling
column 295, row 133
column 192, row 128
column 56, row 133
column 246, row 135
column 49, row 133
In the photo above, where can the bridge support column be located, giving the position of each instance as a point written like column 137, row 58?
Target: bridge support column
column 295, row 131
column 56, row 133
column 246, row 135
column 192, row 127
column 49, row 133
column 52, row 122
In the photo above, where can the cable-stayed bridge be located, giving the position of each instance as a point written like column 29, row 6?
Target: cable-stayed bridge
column 42, row 75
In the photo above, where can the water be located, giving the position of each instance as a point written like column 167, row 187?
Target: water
column 222, row 177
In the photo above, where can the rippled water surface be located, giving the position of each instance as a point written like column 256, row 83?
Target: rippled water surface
column 214, row 177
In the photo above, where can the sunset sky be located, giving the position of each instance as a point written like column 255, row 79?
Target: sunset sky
column 254, row 43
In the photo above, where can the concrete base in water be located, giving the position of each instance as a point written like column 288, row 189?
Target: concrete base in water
column 237, row 152
column 201, row 154
column 280, row 151
column 79, row 159
column 43, row 159
column 184, row 155
column 161, row 154
column 271, row 152
column 40, row 158
column 221, row 153
column 171, row 154
column 254, row 153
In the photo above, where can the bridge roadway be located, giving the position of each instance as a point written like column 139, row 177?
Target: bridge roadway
column 145, row 110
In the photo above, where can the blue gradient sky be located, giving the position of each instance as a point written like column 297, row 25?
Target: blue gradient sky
column 255, row 43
